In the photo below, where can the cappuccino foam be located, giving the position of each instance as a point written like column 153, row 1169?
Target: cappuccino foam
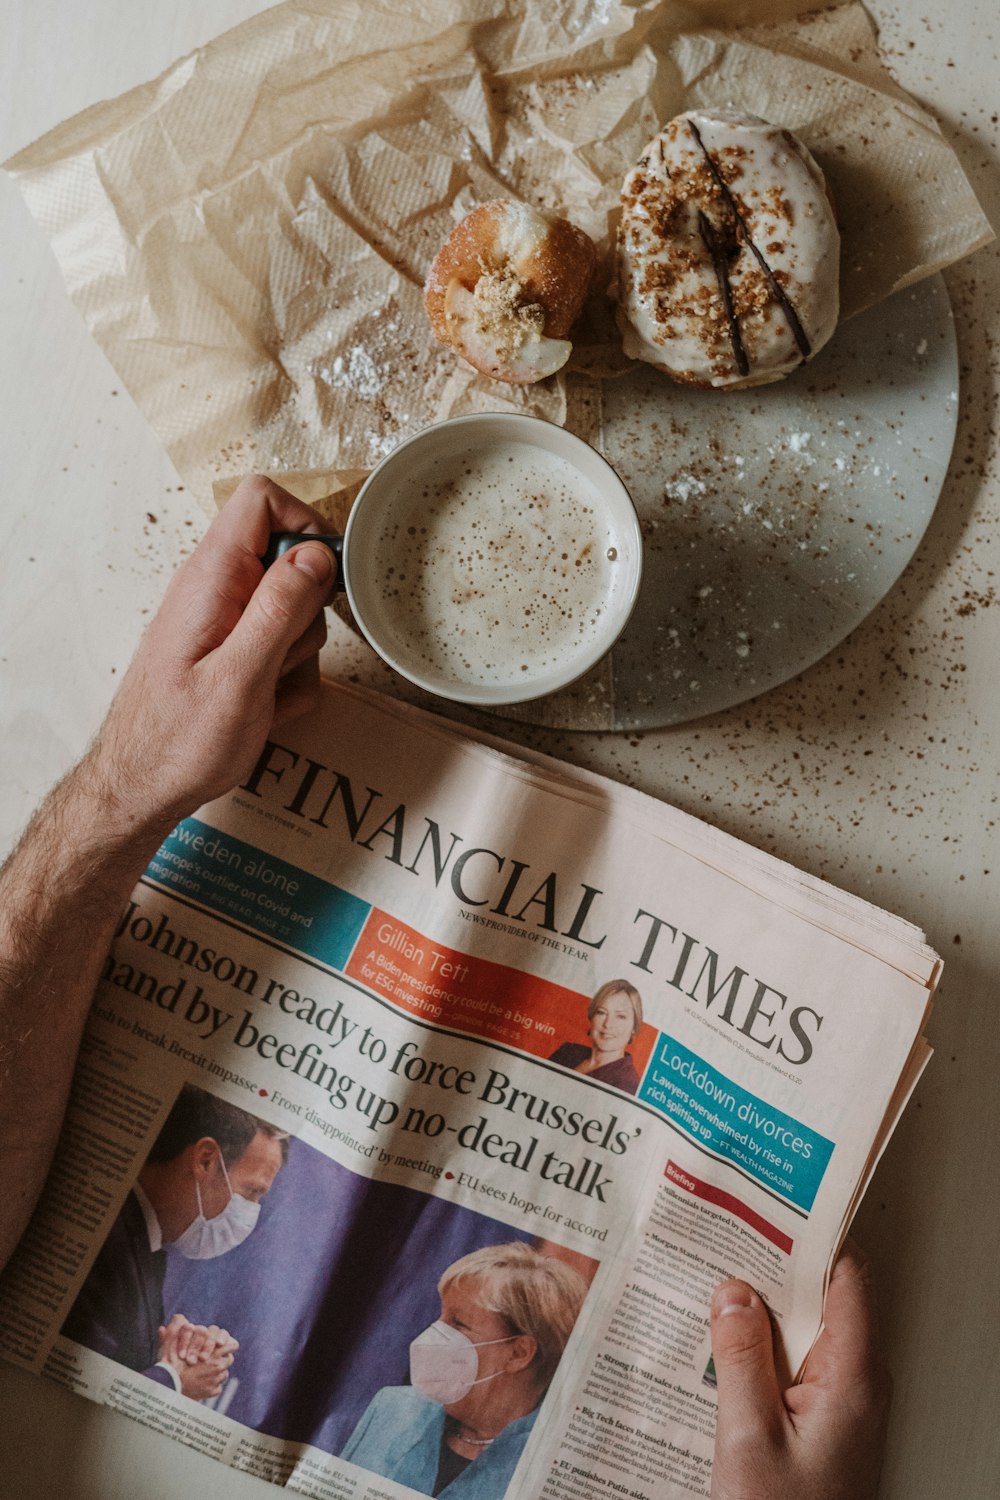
column 496, row 568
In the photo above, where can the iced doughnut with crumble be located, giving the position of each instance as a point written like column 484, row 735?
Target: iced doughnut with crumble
column 728, row 252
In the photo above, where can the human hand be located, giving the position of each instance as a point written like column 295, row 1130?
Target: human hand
column 184, row 1342
column 200, row 1354
column 204, row 1380
column 231, row 653
column 822, row 1439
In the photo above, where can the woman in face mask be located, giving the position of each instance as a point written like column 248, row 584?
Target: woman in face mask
column 478, row 1375
column 614, row 1017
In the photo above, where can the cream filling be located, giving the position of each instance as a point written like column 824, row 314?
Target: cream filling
column 497, row 331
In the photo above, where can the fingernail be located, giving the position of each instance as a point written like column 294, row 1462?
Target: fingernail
column 734, row 1296
column 316, row 559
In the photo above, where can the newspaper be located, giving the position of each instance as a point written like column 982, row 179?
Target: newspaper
column 528, row 1063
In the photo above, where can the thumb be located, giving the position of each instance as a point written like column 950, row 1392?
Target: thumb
column 284, row 603
column 743, row 1353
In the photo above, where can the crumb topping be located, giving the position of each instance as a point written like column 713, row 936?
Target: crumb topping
column 502, row 313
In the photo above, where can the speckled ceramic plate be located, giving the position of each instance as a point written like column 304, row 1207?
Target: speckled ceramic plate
column 775, row 519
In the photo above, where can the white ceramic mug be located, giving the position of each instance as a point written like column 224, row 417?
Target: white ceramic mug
column 490, row 559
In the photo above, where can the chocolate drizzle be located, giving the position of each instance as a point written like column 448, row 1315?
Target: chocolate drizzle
column 777, row 290
column 717, row 253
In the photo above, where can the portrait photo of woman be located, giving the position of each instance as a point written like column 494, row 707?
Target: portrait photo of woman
column 614, row 1017
column 478, row 1375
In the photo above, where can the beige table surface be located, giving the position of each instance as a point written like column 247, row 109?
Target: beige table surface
column 876, row 769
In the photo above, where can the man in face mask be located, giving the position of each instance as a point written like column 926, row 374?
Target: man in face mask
column 199, row 1194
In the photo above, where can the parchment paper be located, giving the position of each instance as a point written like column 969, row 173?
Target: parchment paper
column 247, row 236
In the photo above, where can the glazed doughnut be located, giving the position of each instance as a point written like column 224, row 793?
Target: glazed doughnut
column 507, row 286
column 728, row 252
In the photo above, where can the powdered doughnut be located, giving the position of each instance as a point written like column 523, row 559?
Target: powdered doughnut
column 728, row 252
column 506, row 288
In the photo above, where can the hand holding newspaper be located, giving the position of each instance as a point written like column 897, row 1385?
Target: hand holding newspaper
column 430, row 1088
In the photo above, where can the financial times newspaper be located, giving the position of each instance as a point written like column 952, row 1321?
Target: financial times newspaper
column 528, row 1063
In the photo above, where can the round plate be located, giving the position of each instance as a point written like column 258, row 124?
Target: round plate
column 774, row 519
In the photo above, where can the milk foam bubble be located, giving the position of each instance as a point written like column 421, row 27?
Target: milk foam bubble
column 495, row 568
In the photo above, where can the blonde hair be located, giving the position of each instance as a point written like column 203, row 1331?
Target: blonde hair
column 619, row 987
column 534, row 1293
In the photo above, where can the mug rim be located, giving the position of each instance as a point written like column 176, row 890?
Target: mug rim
column 610, row 485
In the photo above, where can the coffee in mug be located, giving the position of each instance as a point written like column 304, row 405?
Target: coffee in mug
column 492, row 559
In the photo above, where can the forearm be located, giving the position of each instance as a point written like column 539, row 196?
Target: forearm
column 61, row 895
column 230, row 653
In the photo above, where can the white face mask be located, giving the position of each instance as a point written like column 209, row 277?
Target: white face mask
column 444, row 1364
column 204, row 1239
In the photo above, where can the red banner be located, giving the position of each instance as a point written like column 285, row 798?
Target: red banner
column 475, row 995
column 735, row 1206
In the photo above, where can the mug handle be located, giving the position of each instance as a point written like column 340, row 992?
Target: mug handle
column 282, row 542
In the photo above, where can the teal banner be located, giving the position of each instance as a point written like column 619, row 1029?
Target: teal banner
column 273, row 897
column 780, row 1152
